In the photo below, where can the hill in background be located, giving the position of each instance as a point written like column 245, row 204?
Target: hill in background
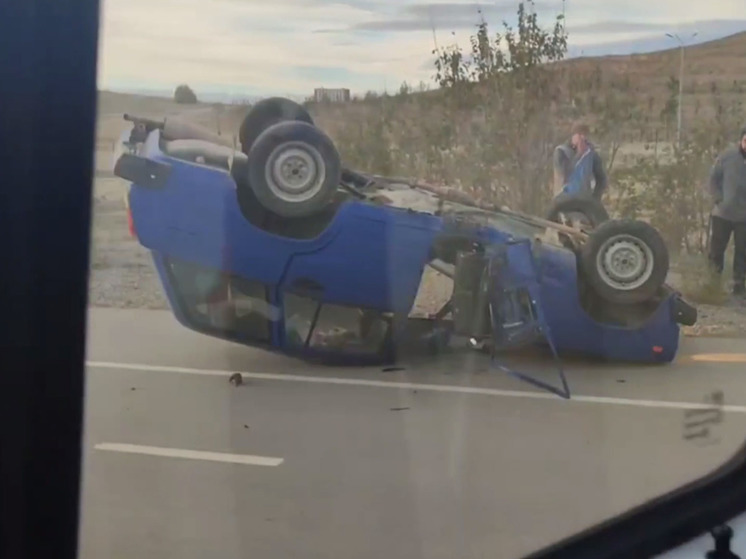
column 721, row 62
column 651, row 80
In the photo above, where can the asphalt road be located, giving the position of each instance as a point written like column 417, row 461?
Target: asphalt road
column 443, row 459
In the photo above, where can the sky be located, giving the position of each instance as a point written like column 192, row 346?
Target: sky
column 249, row 48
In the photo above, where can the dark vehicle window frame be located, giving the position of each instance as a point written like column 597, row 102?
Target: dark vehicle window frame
column 174, row 268
column 48, row 57
column 318, row 316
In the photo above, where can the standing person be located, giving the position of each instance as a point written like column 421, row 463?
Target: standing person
column 578, row 168
column 727, row 187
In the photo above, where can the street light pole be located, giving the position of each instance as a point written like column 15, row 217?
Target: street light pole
column 681, row 82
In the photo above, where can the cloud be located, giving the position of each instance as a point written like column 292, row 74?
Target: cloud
column 718, row 27
column 449, row 16
column 658, row 41
column 500, row 8
column 616, row 27
column 256, row 47
column 166, row 42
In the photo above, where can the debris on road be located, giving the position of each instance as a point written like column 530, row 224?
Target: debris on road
column 236, row 379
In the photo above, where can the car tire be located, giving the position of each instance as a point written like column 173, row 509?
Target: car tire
column 625, row 261
column 266, row 113
column 294, row 169
column 587, row 206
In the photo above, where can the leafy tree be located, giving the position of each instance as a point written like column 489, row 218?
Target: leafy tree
column 506, row 82
column 185, row 95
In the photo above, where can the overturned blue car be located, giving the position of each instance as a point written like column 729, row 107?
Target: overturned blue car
column 278, row 246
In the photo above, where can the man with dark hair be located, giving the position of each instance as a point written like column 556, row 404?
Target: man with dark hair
column 727, row 187
column 578, row 168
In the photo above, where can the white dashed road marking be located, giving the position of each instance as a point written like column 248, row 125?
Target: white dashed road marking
column 245, row 459
column 444, row 388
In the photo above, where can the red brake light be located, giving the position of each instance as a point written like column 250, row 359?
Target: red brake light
column 131, row 224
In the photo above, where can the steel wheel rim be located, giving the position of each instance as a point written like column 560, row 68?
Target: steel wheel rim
column 295, row 172
column 625, row 262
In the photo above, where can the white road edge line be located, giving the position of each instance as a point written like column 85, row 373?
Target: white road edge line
column 245, row 459
column 447, row 388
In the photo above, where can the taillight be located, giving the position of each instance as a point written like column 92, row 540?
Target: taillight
column 131, row 224
column 130, row 221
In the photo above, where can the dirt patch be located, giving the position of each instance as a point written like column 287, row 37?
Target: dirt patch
column 122, row 273
column 719, row 321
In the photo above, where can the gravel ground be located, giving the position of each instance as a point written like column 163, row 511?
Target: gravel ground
column 123, row 275
column 719, row 321
column 122, row 272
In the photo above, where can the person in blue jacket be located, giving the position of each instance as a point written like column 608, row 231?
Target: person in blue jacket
column 578, row 167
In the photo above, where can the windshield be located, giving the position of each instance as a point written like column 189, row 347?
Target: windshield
column 414, row 279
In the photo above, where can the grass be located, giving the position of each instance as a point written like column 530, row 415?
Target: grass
column 699, row 284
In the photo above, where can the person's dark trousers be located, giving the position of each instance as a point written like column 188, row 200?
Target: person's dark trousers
column 720, row 233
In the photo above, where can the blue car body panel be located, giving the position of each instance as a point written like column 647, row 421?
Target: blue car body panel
column 370, row 256
column 574, row 330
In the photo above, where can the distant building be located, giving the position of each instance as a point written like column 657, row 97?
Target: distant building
column 338, row 95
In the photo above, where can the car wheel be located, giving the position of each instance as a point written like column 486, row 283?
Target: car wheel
column 577, row 211
column 266, row 113
column 625, row 261
column 294, row 169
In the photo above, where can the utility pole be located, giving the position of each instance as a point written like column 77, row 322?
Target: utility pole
column 682, row 45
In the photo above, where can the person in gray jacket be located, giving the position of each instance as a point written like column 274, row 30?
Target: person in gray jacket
column 578, row 168
column 727, row 187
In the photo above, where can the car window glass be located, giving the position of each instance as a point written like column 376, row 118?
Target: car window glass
column 410, row 279
column 223, row 302
column 349, row 329
column 300, row 314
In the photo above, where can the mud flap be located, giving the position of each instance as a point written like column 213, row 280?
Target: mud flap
column 512, row 279
column 683, row 313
